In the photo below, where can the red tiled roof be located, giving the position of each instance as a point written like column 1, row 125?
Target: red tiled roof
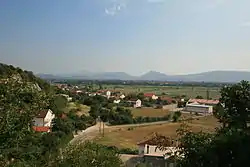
column 63, row 116
column 42, row 113
column 169, row 99
column 41, row 128
column 148, row 94
column 155, row 140
column 203, row 101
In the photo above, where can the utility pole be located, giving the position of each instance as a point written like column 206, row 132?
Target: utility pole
column 103, row 129
column 207, row 93
column 99, row 121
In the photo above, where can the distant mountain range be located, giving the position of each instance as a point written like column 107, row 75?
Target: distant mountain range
column 213, row 76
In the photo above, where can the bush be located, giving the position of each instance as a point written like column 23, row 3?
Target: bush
column 176, row 116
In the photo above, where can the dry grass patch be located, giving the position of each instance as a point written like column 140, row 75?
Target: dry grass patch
column 128, row 138
column 81, row 109
column 149, row 112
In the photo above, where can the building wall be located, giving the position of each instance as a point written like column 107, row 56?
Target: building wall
column 199, row 109
column 48, row 119
column 155, row 161
column 154, row 97
column 38, row 121
column 137, row 103
column 141, row 149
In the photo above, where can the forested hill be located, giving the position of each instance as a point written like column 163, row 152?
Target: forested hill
column 9, row 71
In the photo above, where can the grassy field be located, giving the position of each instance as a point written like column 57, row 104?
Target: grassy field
column 149, row 112
column 81, row 109
column 128, row 138
column 190, row 92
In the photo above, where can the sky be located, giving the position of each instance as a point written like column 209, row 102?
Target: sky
column 133, row 36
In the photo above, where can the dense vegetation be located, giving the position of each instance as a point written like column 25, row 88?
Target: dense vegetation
column 115, row 114
column 8, row 71
column 21, row 146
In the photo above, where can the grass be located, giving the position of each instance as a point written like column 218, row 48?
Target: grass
column 81, row 109
column 149, row 112
column 127, row 138
column 190, row 92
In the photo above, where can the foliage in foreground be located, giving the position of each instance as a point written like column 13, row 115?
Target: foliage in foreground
column 89, row 155
column 20, row 146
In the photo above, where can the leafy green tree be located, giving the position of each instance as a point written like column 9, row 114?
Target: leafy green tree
column 176, row 116
column 236, row 110
column 64, row 125
column 199, row 97
column 230, row 145
column 89, row 155
column 19, row 105
column 58, row 104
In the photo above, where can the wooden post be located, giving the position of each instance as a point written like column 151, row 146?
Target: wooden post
column 103, row 129
column 99, row 122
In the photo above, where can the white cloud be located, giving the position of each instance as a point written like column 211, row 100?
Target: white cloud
column 118, row 5
column 116, row 8
column 156, row 1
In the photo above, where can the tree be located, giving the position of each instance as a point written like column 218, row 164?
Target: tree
column 64, row 125
column 19, row 105
column 235, row 112
column 199, row 97
column 89, row 155
column 230, row 145
column 176, row 116
column 58, row 104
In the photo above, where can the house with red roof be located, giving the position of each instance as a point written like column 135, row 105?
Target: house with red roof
column 151, row 95
column 168, row 99
column 43, row 121
column 152, row 154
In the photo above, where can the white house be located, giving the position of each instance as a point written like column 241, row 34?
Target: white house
column 151, row 95
column 92, row 94
column 137, row 104
column 78, row 91
column 122, row 96
column 117, row 101
column 152, row 154
column 44, row 119
column 154, row 97
column 108, row 94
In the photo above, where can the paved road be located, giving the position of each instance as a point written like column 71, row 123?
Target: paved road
column 88, row 134
column 93, row 131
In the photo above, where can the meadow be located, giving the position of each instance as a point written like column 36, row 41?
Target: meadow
column 80, row 108
column 190, row 92
column 149, row 112
column 129, row 137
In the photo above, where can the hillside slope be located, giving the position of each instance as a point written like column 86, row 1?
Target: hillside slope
column 9, row 71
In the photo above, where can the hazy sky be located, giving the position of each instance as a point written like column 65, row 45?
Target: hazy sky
column 134, row 36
